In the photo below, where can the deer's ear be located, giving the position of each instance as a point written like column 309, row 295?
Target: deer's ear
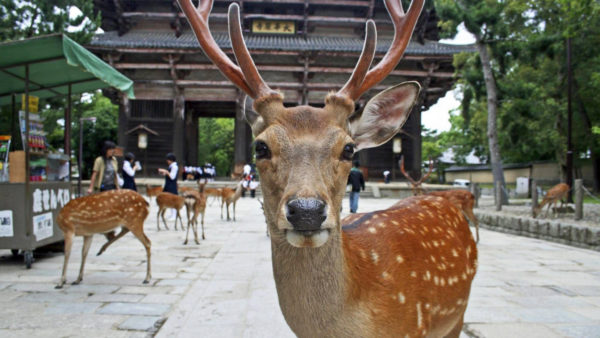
column 384, row 115
column 255, row 121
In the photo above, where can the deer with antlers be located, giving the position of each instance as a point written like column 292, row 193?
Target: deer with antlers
column 389, row 273
column 102, row 213
column 462, row 199
column 557, row 193
column 417, row 188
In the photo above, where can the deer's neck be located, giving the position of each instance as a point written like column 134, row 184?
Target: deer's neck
column 311, row 286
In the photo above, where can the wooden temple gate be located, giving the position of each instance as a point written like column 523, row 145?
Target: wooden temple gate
column 175, row 84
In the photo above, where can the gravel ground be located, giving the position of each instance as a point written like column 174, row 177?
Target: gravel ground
column 520, row 207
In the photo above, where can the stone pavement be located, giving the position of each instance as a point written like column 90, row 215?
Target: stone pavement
column 224, row 286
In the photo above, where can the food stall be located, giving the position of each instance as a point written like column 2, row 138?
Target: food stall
column 38, row 183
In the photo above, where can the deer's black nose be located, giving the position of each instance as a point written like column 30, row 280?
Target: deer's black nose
column 306, row 214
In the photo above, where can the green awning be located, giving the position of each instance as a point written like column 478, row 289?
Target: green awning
column 55, row 61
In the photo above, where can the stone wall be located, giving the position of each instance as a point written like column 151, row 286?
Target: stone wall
column 551, row 230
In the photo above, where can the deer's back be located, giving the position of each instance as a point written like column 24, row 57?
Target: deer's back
column 416, row 260
column 170, row 200
column 460, row 198
column 104, row 211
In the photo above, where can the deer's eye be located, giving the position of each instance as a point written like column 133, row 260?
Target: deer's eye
column 348, row 152
column 261, row 150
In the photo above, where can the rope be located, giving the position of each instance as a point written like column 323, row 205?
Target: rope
column 590, row 194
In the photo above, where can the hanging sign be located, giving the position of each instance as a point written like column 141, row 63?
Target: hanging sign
column 33, row 103
column 273, row 27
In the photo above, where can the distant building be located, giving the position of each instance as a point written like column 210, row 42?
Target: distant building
column 305, row 48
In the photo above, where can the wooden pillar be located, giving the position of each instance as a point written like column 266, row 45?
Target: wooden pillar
column 124, row 114
column 242, row 137
column 191, row 138
column 411, row 144
column 179, row 126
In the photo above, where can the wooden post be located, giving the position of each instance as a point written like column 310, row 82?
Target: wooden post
column 534, row 195
column 475, row 192
column 578, row 199
column 498, row 194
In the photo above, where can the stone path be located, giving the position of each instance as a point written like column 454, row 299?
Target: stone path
column 224, row 287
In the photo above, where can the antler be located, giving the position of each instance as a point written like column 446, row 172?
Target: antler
column 404, row 25
column 416, row 184
column 247, row 77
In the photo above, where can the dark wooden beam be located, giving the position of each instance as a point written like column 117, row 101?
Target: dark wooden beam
column 274, row 85
column 279, row 68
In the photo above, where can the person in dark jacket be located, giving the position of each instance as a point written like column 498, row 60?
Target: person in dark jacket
column 129, row 169
column 170, row 174
column 357, row 181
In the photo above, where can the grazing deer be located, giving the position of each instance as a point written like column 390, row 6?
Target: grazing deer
column 166, row 200
column 101, row 213
column 195, row 204
column 417, row 189
column 556, row 193
column 229, row 197
column 389, row 273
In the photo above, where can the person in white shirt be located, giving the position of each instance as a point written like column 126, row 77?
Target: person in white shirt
column 129, row 172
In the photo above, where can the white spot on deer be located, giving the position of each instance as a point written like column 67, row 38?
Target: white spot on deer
column 432, row 258
column 363, row 254
column 401, row 298
column 372, row 230
column 395, row 223
column 435, row 243
column 464, row 276
column 385, row 275
column 442, row 282
column 384, row 214
column 454, row 253
column 413, row 274
column 399, row 259
column 419, row 315
column 374, row 256
column 427, row 275
column 436, row 280
column 381, row 225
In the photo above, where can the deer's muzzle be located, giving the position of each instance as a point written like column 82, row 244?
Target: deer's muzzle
column 306, row 214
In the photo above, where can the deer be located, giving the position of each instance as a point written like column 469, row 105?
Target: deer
column 417, row 189
column 153, row 191
column 229, row 197
column 214, row 192
column 387, row 273
column 195, row 203
column 556, row 193
column 166, row 200
column 100, row 214
column 462, row 199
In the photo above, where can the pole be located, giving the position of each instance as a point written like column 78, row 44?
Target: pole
column 79, row 157
column 67, row 132
column 569, row 122
column 578, row 199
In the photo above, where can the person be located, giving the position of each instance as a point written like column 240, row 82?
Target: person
column 170, row 174
column 386, row 176
column 129, row 169
column 357, row 181
column 104, row 174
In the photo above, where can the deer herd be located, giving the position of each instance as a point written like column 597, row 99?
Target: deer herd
column 404, row 271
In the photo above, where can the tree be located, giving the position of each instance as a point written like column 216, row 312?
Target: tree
column 28, row 18
column 487, row 20
column 215, row 144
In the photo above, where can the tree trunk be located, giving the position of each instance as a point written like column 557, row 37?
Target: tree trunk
column 492, row 106
column 593, row 145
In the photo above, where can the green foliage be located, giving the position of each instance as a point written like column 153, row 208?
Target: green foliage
column 526, row 39
column 216, row 144
column 27, row 18
column 94, row 134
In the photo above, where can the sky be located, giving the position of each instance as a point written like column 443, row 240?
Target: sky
column 437, row 117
